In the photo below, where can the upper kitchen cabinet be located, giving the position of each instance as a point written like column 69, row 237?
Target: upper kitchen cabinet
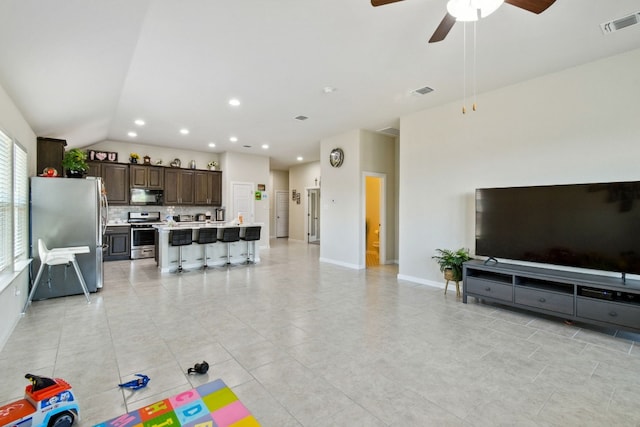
column 115, row 177
column 50, row 153
column 208, row 188
column 178, row 186
column 149, row 177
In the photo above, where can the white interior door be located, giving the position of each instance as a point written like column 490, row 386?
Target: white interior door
column 282, row 214
column 243, row 201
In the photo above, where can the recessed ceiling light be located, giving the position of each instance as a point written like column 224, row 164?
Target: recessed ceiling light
column 234, row 102
column 265, row 146
column 184, row 131
column 233, row 139
column 132, row 134
column 139, row 122
column 299, row 158
column 212, row 144
column 329, row 89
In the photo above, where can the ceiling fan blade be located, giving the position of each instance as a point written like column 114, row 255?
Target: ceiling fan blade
column 443, row 29
column 375, row 3
column 535, row 6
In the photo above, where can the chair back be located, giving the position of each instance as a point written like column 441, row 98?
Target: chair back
column 181, row 237
column 43, row 251
column 230, row 234
column 252, row 233
column 207, row 235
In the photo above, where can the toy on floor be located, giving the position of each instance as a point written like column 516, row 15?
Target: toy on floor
column 142, row 381
column 47, row 402
column 199, row 368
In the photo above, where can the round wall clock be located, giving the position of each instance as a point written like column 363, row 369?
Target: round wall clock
column 336, row 157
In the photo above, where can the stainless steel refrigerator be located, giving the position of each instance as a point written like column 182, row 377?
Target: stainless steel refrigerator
column 68, row 212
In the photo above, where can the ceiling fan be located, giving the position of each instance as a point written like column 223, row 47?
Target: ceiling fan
column 471, row 10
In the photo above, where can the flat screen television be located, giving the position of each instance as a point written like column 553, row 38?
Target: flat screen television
column 594, row 226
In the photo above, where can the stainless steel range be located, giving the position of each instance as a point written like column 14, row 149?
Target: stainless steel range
column 143, row 235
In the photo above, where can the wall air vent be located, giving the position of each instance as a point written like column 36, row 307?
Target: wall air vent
column 618, row 24
column 423, row 90
column 390, row 131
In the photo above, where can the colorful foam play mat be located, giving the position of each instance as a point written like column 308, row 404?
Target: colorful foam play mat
column 210, row 405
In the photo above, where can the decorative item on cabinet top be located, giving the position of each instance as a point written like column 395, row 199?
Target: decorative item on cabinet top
column 134, row 157
column 102, row 156
column 212, row 165
column 146, row 160
column 175, row 163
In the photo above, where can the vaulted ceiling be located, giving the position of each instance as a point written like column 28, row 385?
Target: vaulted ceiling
column 85, row 70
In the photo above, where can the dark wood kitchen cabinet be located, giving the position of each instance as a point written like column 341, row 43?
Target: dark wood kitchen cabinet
column 50, row 153
column 118, row 241
column 178, row 186
column 115, row 177
column 150, row 177
column 208, row 188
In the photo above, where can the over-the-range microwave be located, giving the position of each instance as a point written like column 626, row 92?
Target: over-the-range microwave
column 141, row 196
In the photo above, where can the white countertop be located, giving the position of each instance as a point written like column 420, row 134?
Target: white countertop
column 201, row 224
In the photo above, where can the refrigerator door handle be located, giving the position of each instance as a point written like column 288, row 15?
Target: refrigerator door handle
column 105, row 212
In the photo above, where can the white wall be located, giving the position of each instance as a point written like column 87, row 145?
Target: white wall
column 14, row 286
column 247, row 168
column 340, row 215
column 302, row 177
column 579, row 125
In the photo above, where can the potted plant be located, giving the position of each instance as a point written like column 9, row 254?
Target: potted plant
column 134, row 157
column 212, row 165
column 450, row 262
column 75, row 163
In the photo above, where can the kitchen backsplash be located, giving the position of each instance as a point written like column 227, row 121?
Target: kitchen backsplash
column 120, row 213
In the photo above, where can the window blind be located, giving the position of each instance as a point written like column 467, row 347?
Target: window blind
column 6, row 251
column 20, row 203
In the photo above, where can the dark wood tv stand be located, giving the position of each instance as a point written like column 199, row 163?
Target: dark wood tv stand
column 588, row 298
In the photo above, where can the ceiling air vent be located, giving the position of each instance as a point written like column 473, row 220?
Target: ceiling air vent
column 423, row 90
column 301, row 118
column 618, row 24
column 390, row 131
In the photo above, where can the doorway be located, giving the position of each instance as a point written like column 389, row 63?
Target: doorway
column 313, row 216
column 282, row 213
column 242, row 201
column 374, row 243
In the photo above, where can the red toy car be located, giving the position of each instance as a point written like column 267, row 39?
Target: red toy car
column 47, row 402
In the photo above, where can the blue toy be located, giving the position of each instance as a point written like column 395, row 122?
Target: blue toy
column 136, row 384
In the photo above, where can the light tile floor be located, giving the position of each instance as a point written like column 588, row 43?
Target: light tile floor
column 304, row 343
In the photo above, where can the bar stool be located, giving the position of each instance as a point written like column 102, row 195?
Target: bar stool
column 205, row 237
column 230, row 235
column 181, row 238
column 251, row 234
column 58, row 256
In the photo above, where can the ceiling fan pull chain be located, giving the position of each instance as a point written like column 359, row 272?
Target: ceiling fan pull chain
column 464, row 68
column 474, row 64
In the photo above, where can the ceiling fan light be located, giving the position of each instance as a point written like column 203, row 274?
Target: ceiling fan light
column 462, row 10
column 467, row 10
column 487, row 7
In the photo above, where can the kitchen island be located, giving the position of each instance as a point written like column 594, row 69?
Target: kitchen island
column 193, row 255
